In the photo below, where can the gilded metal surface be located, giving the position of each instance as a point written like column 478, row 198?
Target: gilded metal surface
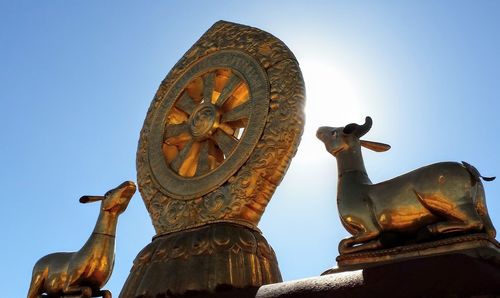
column 201, row 259
column 217, row 140
column 434, row 200
column 86, row 271
column 221, row 130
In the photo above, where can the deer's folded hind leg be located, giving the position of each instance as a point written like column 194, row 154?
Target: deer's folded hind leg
column 461, row 218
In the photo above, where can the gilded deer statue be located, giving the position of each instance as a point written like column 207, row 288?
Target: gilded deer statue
column 441, row 198
column 86, row 271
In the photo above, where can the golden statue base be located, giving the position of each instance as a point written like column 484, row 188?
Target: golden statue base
column 208, row 258
column 476, row 245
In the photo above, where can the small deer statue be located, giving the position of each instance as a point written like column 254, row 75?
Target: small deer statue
column 437, row 199
column 86, row 271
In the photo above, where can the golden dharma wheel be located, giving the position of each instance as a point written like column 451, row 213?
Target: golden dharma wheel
column 217, row 140
column 221, row 130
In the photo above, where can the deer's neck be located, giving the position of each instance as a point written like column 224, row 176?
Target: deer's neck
column 98, row 253
column 106, row 223
column 350, row 166
column 102, row 240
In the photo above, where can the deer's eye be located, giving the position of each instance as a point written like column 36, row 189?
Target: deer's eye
column 334, row 133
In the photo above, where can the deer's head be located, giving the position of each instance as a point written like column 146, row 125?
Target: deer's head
column 341, row 139
column 115, row 200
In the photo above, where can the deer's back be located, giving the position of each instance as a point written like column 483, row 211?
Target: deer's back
column 399, row 202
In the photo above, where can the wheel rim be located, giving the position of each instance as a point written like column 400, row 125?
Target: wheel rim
column 208, row 124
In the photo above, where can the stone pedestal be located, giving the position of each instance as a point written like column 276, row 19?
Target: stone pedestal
column 451, row 275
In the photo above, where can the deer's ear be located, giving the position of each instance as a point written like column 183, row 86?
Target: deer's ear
column 88, row 199
column 375, row 146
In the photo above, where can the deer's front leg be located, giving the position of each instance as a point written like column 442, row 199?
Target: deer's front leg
column 365, row 235
column 85, row 292
column 344, row 244
column 359, row 243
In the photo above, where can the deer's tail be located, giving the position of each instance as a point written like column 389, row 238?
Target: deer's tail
column 475, row 173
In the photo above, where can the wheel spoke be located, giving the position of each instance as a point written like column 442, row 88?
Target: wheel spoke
column 203, row 162
column 239, row 123
column 172, row 130
column 176, row 116
column 228, row 129
column 208, row 86
column 240, row 112
column 228, row 90
column 226, row 142
column 186, row 103
column 195, row 89
column 240, row 95
column 215, row 155
column 169, row 151
column 181, row 157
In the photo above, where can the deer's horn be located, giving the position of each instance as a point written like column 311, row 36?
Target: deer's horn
column 359, row 130
column 363, row 129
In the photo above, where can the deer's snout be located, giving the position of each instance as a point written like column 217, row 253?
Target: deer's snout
column 127, row 189
column 323, row 132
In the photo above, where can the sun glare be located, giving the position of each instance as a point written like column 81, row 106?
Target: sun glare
column 333, row 98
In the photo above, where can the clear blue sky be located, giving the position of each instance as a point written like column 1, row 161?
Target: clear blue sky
column 77, row 77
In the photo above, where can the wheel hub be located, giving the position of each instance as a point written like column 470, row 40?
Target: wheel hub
column 203, row 121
